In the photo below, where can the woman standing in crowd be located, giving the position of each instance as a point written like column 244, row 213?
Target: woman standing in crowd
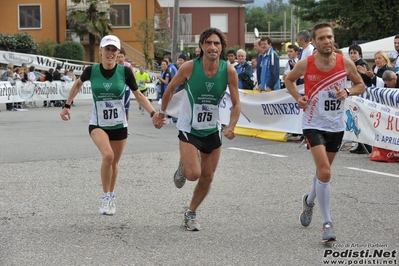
column 108, row 124
column 164, row 78
column 382, row 63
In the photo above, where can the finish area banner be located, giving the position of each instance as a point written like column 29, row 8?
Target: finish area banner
column 276, row 111
column 369, row 121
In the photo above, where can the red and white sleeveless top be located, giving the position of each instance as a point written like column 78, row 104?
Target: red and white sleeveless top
column 324, row 111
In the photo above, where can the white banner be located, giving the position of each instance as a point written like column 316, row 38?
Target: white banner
column 38, row 61
column 44, row 63
column 367, row 121
column 385, row 96
column 372, row 122
column 55, row 90
column 275, row 110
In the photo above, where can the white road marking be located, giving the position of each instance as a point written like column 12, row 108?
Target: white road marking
column 371, row 171
column 258, row 152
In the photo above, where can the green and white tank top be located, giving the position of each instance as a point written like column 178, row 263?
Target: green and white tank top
column 108, row 98
column 199, row 113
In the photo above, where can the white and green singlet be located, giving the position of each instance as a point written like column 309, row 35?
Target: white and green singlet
column 108, row 96
column 199, row 113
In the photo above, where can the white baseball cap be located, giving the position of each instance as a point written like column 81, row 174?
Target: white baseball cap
column 110, row 40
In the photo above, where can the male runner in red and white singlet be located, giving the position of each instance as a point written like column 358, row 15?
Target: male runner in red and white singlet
column 323, row 120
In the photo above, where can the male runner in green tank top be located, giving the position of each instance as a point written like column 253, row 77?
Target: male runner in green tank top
column 206, row 80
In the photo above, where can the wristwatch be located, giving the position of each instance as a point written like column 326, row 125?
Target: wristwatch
column 162, row 112
column 348, row 91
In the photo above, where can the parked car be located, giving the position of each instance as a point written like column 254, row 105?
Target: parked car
column 38, row 75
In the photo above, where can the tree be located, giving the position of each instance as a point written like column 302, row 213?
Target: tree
column 90, row 17
column 353, row 20
column 276, row 14
column 153, row 35
column 273, row 12
column 70, row 50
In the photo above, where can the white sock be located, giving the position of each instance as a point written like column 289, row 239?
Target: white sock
column 312, row 193
column 323, row 191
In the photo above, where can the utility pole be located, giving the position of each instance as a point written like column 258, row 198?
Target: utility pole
column 175, row 30
column 293, row 26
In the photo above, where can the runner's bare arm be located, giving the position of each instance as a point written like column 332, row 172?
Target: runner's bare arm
column 235, row 99
column 290, row 81
column 66, row 112
column 182, row 75
column 358, row 85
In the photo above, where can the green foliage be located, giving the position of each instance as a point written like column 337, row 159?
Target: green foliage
column 354, row 20
column 152, row 39
column 46, row 48
column 90, row 17
column 273, row 12
column 21, row 43
column 70, row 50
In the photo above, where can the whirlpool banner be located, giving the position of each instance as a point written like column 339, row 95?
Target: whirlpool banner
column 55, row 90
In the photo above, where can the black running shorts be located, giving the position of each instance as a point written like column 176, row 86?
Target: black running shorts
column 203, row 144
column 332, row 140
column 115, row 134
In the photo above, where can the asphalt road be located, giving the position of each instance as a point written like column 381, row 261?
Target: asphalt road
column 50, row 193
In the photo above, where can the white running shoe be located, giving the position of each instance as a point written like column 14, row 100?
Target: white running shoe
column 105, row 206
column 190, row 221
column 112, row 206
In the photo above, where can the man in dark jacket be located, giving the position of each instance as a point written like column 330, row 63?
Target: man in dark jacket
column 244, row 70
column 49, row 77
column 49, row 74
column 355, row 54
column 57, row 74
column 270, row 68
column 259, row 52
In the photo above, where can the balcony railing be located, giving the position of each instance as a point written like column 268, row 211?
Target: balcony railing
column 276, row 36
column 71, row 36
column 189, row 40
column 134, row 57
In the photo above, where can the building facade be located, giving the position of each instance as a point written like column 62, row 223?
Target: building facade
column 47, row 20
column 195, row 16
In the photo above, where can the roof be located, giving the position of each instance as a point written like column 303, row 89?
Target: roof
column 243, row 1
column 205, row 3
column 158, row 8
column 370, row 48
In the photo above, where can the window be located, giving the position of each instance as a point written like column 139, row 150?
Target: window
column 29, row 16
column 220, row 21
column 121, row 17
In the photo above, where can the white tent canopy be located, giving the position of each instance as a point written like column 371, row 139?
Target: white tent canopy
column 370, row 48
